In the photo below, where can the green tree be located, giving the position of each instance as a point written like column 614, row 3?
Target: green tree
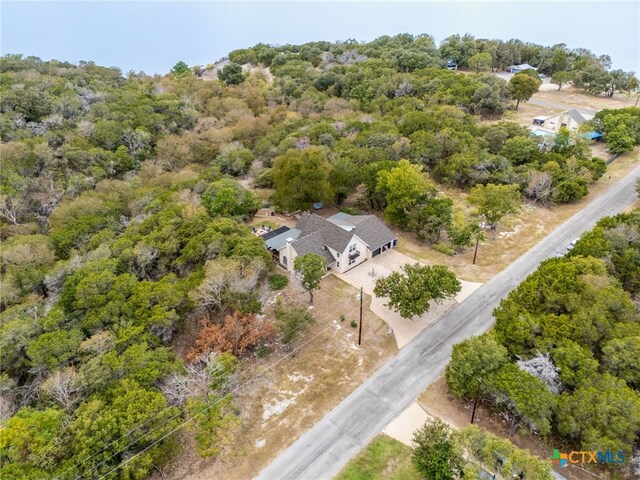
column 429, row 219
column 523, row 87
column 499, row 454
column 228, row 198
column 621, row 357
column 292, row 321
column 620, row 139
column 472, row 362
column 215, row 416
column 301, row 178
column 437, row 455
column 231, row 74
column 235, row 161
column 180, row 68
column 28, row 443
column 111, row 417
column 561, row 78
column 480, row 62
column 602, row 415
column 54, row 348
column 576, row 364
column 310, row 268
column 520, row 150
column 410, row 292
column 403, row 187
column 525, row 397
column 494, row 202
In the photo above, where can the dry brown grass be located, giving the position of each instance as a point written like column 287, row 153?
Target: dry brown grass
column 575, row 98
column 315, row 378
column 517, row 234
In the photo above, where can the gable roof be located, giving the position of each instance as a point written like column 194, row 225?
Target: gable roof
column 576, row 115
column 332, row 235
column 373, row 232
column 313, row 243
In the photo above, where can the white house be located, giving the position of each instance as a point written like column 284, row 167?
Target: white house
column 345, row 241
column 570, row 119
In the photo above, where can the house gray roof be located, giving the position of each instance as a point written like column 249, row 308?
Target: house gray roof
column 313, row 243
column 373, row 232
column 332, row 235
column 279, row 241
column 576, row 115
column 346, row 221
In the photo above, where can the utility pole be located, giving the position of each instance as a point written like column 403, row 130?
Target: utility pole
column 360, row 330
column 475, row 402
column 475, row 254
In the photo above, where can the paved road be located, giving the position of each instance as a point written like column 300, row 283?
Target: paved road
column 559, row 106
column 324, row 450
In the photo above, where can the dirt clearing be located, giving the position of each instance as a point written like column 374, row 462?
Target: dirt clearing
column 294, row 394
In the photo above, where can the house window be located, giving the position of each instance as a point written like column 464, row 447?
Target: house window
column 352, row 248
column 338, row 254
column 284, row 260
column 338, row 264
column 352, row 261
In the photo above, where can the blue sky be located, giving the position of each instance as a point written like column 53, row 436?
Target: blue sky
column 152, row 36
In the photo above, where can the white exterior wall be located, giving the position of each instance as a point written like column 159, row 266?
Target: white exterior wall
column 290, row 253
column 365, row 254
column 554, row 123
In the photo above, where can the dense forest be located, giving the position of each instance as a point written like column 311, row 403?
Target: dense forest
column 123, row 220
column 563, row 360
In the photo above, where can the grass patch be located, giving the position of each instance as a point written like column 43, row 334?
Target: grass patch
column 383, row 459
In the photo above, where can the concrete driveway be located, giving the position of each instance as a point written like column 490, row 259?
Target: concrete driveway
column 366, row 275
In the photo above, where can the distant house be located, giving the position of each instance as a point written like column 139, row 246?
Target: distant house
column 521, row 67
column 345, row 241
column 570, row 119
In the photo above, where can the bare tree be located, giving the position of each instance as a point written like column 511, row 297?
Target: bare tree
column 64, row 386
column 539, row 187
column 543, row 369
column 226, row 274
column 145, row 256
column 7, row 397
column 11, row 208
column 197, row 380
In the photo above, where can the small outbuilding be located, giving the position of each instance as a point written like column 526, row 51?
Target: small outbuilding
column 519, row 68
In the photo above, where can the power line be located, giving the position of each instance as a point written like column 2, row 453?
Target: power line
column 308, row 327
column 190, row 420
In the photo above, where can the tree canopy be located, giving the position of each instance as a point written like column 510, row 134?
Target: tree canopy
column 411, row 292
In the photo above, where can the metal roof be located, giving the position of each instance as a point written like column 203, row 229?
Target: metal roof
column 279, row 241
column 274, row 233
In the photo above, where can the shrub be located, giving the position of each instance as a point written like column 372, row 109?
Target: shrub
column 354, row 324
column 342, row 318
column 290, row 322
column 351, row 211
column 444, row 248
column 277, row 281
